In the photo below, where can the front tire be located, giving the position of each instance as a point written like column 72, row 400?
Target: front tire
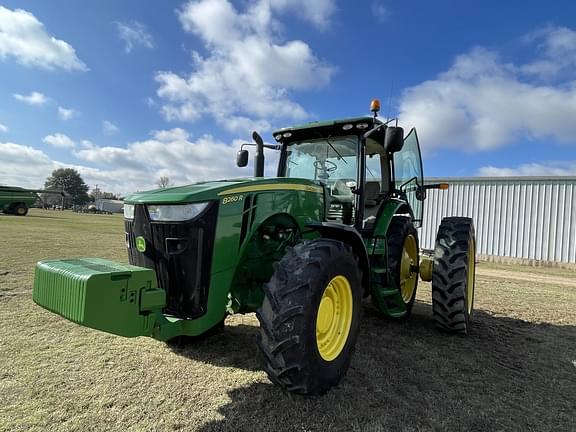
column 453, row 275
column 310, row 316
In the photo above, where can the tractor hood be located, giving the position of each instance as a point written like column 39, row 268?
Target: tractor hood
column 213, row 190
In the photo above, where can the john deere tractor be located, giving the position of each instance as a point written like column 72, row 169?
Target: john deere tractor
column 302, row 250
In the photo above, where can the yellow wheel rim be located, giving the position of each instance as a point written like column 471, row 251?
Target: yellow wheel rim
column 334, row 318
column 408, row 266
column 471, row 275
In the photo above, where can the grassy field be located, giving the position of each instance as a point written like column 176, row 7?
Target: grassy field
column 517, row 371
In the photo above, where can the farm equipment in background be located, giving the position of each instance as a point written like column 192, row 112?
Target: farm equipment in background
column 16, row 200
column 338, row 223
column 90, row 209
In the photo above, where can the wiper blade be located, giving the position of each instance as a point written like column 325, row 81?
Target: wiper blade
column 335, row 151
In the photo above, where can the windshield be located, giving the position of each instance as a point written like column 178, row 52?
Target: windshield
column 325, row 160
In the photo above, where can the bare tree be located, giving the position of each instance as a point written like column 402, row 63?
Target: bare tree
column 163, row 182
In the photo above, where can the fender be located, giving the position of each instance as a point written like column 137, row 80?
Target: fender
column 255, row 262
column 349, row 235
column 387, row 211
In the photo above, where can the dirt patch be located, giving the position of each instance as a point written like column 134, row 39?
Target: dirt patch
column 509, row 274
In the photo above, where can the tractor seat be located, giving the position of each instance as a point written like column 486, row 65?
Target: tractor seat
column 372, row 194
column 340, row 188
column 371, row 204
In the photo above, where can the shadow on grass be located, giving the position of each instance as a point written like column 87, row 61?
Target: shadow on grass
column 230, row 346
column 508, row 374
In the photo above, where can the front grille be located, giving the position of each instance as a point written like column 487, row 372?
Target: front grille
column 181, row 255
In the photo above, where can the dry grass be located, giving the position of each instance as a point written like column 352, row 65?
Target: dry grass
column 517, row 371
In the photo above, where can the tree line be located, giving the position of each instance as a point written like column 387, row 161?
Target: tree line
column 70, row 181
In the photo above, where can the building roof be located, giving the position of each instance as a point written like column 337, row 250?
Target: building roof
column 522, row 179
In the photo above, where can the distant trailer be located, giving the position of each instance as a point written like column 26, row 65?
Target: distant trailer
column 16, row 200
column 108, row 205
column 524, row 219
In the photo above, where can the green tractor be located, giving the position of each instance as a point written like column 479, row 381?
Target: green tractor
column 302, row 250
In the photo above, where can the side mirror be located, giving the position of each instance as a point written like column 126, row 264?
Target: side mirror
column 242, row 158
column 394, row 139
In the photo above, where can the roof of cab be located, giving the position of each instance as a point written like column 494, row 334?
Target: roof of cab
column 321, row 129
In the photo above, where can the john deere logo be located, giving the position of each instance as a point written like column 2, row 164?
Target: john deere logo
column 140, row 244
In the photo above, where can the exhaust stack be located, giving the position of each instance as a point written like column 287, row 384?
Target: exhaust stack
column 259, row 158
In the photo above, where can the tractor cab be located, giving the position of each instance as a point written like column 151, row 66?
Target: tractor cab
column 361, row 162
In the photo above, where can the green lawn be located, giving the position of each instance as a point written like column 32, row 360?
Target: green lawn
column 517, row 371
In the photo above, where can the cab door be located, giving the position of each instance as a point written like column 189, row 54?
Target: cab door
column 408, row 175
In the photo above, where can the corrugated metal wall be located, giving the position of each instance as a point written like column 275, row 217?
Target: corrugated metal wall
column 521, row 217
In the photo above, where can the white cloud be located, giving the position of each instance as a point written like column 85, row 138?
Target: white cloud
column 249, row 74
column 25, row 39
column 134, row 34
column 317, row 12
column 34, row 98
column 109, row 128
column 67, row 113
column 557, row 49
column 23, row 165
column 175, row 134
column 171, row 153
column 379, row 10
column 59, row 140
column 26, row 166
column 3, row 128
column 566, row 168
column 483, row 102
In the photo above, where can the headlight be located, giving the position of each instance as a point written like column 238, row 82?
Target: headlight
column 129, row 211
column 175, row 213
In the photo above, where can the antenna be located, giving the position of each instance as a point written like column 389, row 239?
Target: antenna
column 390, row 100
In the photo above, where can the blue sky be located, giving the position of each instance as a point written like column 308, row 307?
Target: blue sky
column 127, row 93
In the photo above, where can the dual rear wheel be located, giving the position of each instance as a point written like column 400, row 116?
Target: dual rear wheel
column 453, row 275
column 453, row 272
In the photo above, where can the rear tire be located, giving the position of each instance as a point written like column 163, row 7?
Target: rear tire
column 403, row 260
column 18, row 209
column 453, row 275
column 310, row 316
column 21, row 210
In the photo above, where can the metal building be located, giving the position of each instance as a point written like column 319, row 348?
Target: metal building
column 532, row 218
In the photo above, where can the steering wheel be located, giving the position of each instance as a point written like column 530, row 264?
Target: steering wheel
column 329, row 166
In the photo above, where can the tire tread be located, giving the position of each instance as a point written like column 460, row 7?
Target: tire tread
column 450, row 275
